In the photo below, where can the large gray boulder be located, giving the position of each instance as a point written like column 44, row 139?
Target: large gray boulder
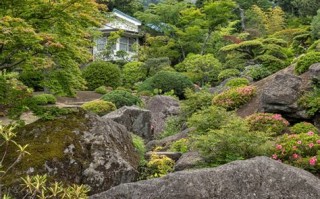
column 161, row 108
column 259, row 178
column 188, row 160
column 78, row 148
column 315, row 70
column 281, row 96
column 135, row 119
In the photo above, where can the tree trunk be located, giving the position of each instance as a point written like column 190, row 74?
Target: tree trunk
column 204, row 46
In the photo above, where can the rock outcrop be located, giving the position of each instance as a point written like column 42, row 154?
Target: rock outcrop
column 188, row 161
column 135, row 119
column 162, row 107
column 259, row 177
column 79, row 148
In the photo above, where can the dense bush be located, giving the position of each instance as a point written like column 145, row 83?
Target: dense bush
column 154, row 65
column 102, row 90
column 32, row 79
column 273, row 124
column 167, row 81
column 102, row 73
column 195, row 101
column 209, row 118
column 306, row 61
column 140, row 147
column 172, row 126
column 180, row 146
column 227, row 73
column 133, row 72
column 303, row 127
column 99, row 107
column 300, row 150
column 233, row 141
column 311, row 101
column 257, row 72
column 159, row 165
column 121, row 98
column 234, row 97
column 237, row 82
column 43, row 99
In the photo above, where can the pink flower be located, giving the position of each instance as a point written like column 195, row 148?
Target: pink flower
column 299, row 142
column 310, row 133
column 318, row 141
column 274, row 156
column 313, row 161
column 295, row 156
column 279, row 146
column 294, row 147
column 311, row 145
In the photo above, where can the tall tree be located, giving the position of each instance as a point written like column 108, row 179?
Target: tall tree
column 51, row 36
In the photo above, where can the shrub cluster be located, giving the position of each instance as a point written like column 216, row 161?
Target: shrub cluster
column 273, row 124
column 238, row 82
column 306, row 61
column 303, row 127
column 121, row 98
column 44, row 99
column 99, row 107
column 102, row 73
column 159, row 165
column 234, row 97
column 102, row 90
column 140, row 147
column 180, row 146
column 227, row 73
column 300, row 150
column 311, row 101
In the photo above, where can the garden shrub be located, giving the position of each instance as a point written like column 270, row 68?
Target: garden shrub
column 227, row 73
column 44, row 99
column 121, row 98
column 167, row 81
column 180, row 146
column 159, row 165
column 102, row 90
column 195, row 101
column 140, row 147
column 172, row 126
column 100, row 73
column 154, row 65
column 238, row 82
column 133, row 72
column 299, row 150
column 32, row 79
column 273, row 124
column 234, row 141
column 99, row 107
column 306, row 61
column 303, row 127
column 311, row 101
column 209, row 118
column 257, row 72
column 234, row 97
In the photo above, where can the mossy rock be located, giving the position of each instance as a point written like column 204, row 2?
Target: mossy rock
column 78, row 148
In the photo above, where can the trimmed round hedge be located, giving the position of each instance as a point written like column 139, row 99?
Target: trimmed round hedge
column 100, row 107
column 121, row 98
column 100, row 73
column 167, row 81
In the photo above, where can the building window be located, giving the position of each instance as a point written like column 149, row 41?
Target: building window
column 101, row 43
column 126, row 44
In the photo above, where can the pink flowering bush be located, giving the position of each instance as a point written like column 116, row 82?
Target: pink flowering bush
column 303, row 127
column 300, row 150
column 273, row 124
column 234, row 97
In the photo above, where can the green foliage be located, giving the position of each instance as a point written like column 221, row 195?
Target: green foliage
column 39, row 186
column 102, row 73
column 303, row 127
column 311, row 101
column 306, row 61
column 99, row 107
column 140, row 147
column 121, row 98
column 133, row 72
column 238, row 82
column 272, row 124
column 49, row 113
column 234, row 97
column 299, row 150
column 209, row 118
column 181, row 146
column 315, row 26
column 257, row 72
column 44, row 99
column 227, row 73
column 101, row 90
column 233, row 141
column 195, row 101
column 32, row 79
column 172, row 126
column 153, row 65
column 160, row 165
column 202, row 69
column 167, row 81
